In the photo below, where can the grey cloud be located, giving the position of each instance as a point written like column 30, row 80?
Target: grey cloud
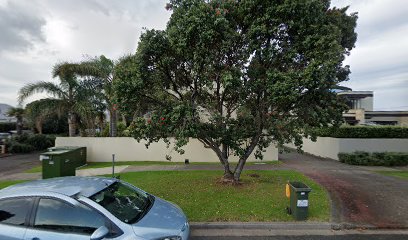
column 20, row 27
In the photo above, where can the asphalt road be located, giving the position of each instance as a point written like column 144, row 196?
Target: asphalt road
column 339, row 237
column 18, row 163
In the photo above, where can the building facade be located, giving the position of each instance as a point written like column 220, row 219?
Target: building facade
column 362, row 112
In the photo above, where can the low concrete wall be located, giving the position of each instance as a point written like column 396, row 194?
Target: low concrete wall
column 128, row 149
column 330, row 147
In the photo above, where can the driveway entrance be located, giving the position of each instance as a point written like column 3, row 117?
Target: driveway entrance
column 360, row 197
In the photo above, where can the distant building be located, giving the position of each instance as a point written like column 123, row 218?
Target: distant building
column 3, row 113
column 361, row 111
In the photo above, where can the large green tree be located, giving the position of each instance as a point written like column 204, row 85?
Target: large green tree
column 239, row 75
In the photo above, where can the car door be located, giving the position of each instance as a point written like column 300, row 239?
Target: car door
column 57, row 219
column 14, row 216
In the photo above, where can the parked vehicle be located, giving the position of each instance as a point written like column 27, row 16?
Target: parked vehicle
column 87, row 208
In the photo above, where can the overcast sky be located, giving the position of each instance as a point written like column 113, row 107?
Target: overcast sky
column 36, row 34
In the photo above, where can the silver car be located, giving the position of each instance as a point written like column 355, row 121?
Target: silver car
column 87, row 208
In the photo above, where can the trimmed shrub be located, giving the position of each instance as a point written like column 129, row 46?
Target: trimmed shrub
column 16, row 147
column 26, row 143
column 374, row 159
column 40, row 141
column 363, row 132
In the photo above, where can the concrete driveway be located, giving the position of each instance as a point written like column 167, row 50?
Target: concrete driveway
column 360, row 197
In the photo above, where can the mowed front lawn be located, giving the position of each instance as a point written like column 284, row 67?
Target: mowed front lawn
column 260, row 198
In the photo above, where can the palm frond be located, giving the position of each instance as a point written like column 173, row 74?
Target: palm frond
column 15, row 112
column 39, row 87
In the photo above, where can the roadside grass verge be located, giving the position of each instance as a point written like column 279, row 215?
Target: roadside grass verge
column 148, row 163
column 258, row 199
column 5, row 184
column 399, row 174
column 34, row 170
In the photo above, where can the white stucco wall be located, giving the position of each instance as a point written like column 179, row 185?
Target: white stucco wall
column 330, row 147
column 128, row 149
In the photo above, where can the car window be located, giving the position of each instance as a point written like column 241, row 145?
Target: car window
column 56, row 215
column 14, row 211
column 126, row 203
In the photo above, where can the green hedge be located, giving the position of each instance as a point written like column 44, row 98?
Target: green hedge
column 7, row 127
column 26, row 143
column 16, row 147
column 363, row 132
column 374, row 159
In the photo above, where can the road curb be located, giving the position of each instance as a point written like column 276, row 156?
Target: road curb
column 261, row 225
column 288, row 226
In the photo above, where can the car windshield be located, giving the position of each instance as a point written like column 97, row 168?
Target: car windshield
column 126, row 203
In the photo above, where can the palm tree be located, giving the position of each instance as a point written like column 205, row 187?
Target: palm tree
column 68, row 95
column 100, row 72
column 18, row 113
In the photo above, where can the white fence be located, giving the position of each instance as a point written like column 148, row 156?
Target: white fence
column 128, row 149
column 330, row 147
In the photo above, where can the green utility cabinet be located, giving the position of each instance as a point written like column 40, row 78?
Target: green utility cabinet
column 57, row 164
column 62, row 161
column 299, row 200
column 78, row 154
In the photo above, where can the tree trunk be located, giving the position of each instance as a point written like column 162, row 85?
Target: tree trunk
column 19, row 125
column 243, row 159
column 113, row 123
column 38, row 126
column 228, row 175
column 71, row 124
column 238, row 169
column 124, row 119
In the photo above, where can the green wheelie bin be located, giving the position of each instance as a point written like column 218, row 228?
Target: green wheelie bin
column 299, row 200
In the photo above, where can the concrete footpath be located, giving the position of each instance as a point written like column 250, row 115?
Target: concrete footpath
column 79, row 172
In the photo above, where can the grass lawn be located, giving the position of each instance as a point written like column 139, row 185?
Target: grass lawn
column 145, row 163
column 8, row 183
column 203, row 199
column 260, row 198
column 399, row 174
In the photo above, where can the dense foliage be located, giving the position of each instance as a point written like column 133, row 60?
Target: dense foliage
column 375, row 159
column 26, row 143
column 363, row 132
column 238, row 75
column 6, row 127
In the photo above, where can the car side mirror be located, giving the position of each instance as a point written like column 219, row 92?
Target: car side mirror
column 100, row 233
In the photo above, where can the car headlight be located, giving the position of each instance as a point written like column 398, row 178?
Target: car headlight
column 185, row 226
column 172, row 238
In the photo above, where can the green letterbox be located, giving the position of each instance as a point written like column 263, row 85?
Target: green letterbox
column 57, row 164
column 299, row 200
